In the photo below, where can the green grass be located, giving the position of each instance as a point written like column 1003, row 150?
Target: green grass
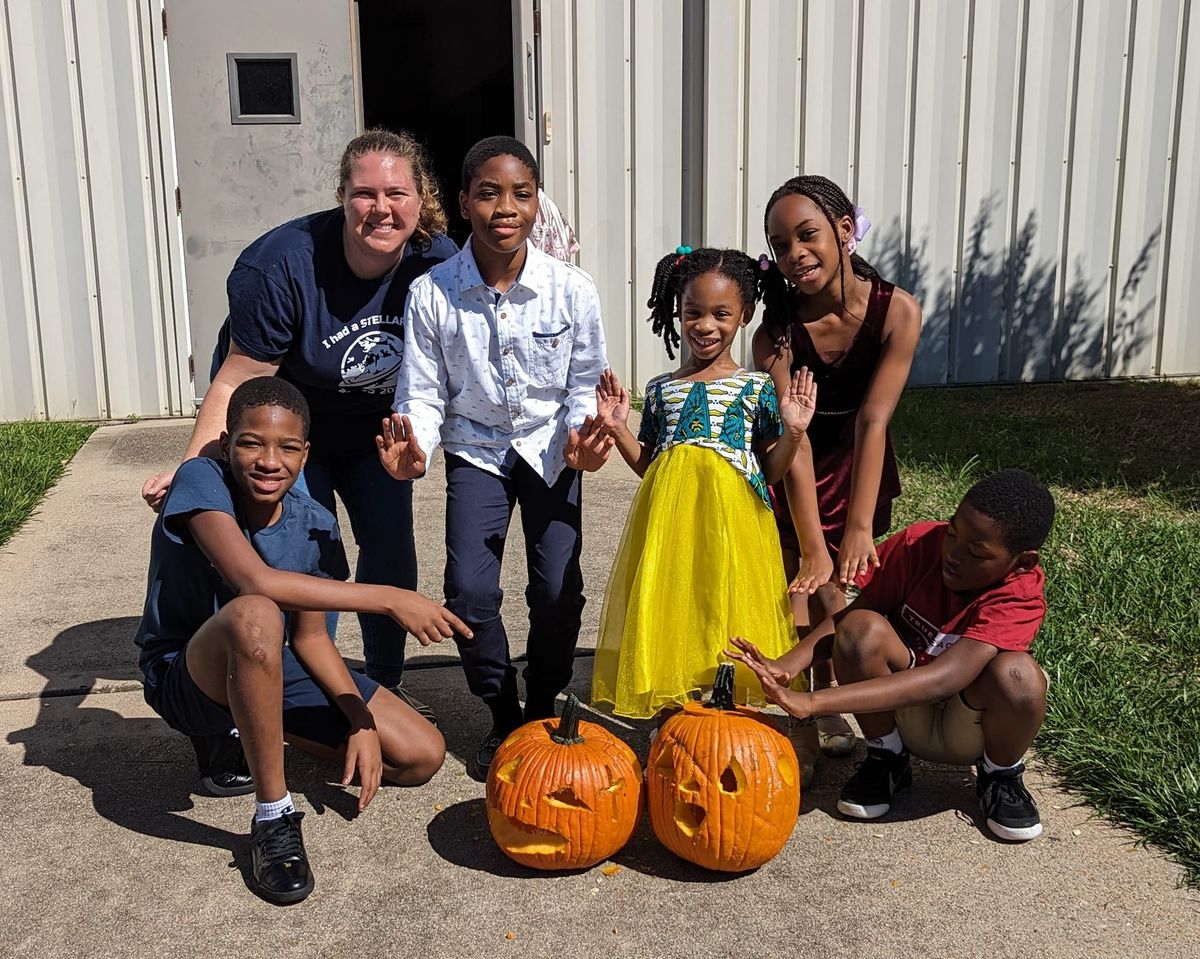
column 1121, row 640
column 32, row 458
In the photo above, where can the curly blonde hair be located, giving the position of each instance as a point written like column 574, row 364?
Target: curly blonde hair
column 432, row 219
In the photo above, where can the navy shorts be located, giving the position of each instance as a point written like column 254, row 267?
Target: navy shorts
column 307, row 711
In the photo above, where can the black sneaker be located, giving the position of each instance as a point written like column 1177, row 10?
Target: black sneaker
column 278, row 860
column 418, row 707
column 868, row 793
column 222, row 764
column 1007, row 807
column 481, row 760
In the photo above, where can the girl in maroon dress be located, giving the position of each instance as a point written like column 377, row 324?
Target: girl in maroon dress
column 829, row 310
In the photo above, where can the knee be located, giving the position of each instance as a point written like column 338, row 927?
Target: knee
column 1018, row 680
column 563, row 592
column 473, row 598
column 826, row 601
column 859, row 636
column 425, row 757
column 255, row 627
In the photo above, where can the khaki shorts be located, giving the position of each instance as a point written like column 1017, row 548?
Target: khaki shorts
column 948, row 731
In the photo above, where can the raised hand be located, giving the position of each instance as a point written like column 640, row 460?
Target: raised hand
column 588, row 447
column 399, row 451
column 612, row 401
column 798, row 403
column 746, row 652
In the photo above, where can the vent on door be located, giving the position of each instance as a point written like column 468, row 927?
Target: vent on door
column 263, row 88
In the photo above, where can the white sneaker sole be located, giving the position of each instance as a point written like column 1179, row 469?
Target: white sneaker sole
column 1018, row 834
column 856, row 811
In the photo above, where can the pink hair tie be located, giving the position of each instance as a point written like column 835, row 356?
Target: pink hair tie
column 764, row 263
column 861, row 225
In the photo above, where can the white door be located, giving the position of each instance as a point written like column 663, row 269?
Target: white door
column 527, row 72
column 264, row 100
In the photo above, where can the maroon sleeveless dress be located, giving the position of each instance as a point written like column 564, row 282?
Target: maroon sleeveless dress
column 841, row 388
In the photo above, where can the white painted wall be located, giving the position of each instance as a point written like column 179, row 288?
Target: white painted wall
column 1029, row 166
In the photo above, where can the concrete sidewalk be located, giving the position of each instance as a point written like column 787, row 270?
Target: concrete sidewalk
column 111, row 851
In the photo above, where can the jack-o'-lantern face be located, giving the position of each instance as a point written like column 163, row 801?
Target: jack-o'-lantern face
column 563, row 795
column 723, row 786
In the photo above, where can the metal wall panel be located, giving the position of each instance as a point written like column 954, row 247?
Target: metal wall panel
column 87, row 284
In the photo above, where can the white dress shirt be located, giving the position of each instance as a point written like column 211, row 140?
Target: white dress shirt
column 492, row 378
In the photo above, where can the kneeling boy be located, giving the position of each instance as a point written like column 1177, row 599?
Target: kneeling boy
column 933, row 655
column 233, row 632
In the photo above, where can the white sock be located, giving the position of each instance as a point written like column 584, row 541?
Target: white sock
column 891, row 742
column 266, row 811
column 991, row 767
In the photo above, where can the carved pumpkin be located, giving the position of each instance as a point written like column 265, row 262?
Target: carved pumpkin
column 723, row 785
column 563, row 795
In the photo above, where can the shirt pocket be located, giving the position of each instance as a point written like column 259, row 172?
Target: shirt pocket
column 550, row 355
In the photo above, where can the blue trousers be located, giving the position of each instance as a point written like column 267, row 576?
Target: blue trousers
column 479, row 508
column 380, row 511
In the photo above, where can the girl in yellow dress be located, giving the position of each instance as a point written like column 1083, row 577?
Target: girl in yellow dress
column 700, row 560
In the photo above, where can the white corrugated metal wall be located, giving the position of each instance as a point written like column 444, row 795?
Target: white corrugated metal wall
column 89, row 259
column 1029, row 166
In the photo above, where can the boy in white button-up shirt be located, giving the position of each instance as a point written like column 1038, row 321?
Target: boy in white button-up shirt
column 503, row 353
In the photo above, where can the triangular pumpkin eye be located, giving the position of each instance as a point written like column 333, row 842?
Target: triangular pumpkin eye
column 565, row 798
column 733, row 778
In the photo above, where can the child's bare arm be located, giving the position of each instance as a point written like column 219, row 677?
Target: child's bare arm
column 222, row 541
column 314, row 648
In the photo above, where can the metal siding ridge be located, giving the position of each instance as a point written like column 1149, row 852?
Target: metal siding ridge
column 802, row 88
column 1119, row 193
column 24, row 235
column 1172, row 171
column 1017, row 131
column 964, row 110
column 1060, row 291
column 87, row 210
column 744, row 134
column 910, row 132
column 629, row 137
column 856, row 99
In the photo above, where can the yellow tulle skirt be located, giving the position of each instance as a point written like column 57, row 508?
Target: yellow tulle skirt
column 699, row 563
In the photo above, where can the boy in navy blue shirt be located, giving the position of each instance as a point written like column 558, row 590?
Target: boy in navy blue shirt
column 242, row 568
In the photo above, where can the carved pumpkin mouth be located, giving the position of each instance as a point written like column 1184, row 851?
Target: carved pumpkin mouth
column 689, row 817
column 514, row 836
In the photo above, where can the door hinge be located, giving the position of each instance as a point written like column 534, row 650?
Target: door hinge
column 192, row 367
column 537, row 22
column 164, row 20
column 178, row 201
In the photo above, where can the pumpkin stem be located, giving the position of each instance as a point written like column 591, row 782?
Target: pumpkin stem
column 567, row 733
column 722, row 692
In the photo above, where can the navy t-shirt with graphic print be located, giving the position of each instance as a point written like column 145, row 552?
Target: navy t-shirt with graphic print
column 184, row 589
column 293, row 297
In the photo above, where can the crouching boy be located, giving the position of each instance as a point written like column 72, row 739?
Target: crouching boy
column 242, row 568
column 933, row 655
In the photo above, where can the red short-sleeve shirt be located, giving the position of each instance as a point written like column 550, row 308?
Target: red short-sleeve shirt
column 930, row 618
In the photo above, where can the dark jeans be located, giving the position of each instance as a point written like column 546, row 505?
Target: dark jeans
column 380, row 510
column 479, row 507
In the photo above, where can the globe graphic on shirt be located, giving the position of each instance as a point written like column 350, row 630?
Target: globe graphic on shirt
column 372, row 362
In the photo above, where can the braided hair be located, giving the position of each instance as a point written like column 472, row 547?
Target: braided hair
column 676, row 270
column 833, row 202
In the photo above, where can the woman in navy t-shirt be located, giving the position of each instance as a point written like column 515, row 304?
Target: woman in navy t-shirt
column 320, row 302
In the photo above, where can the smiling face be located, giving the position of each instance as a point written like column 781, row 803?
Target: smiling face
column 501, row 205
column 266, row 452
column 974, row 556
column 711, row 312
column 383, row 207
column 807, row 251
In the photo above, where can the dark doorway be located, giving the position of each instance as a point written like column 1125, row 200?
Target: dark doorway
column 442, row 71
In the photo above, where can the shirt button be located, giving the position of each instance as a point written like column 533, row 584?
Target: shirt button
column 506, row 351
column 504, row 316
column 509, row 382
column 517, row 443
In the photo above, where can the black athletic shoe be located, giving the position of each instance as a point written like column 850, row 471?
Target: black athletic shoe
column 419, row 707
column 1007, row 807
column 279, row 862
column 481, row 760
column 222, row 764
column 868, row 793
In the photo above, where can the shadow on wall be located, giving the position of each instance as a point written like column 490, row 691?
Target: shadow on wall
column 1015, row 291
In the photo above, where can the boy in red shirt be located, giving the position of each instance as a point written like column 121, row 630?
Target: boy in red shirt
column 933, row 655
